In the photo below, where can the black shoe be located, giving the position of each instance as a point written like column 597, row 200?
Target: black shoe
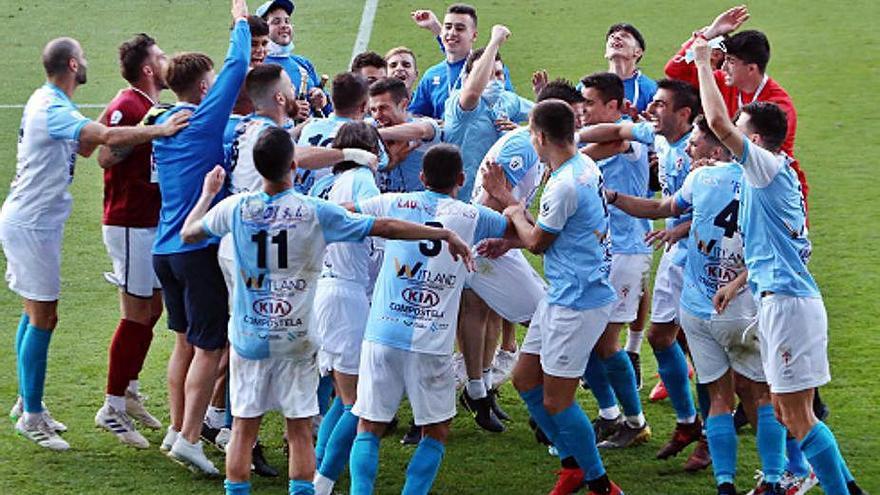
column 209, row 435
column 391, row 428
column 496, row 408
column 261, row 467
column 606, row 428
column 482, row 411
column 855, row 489
column 726, row 489
column 413, row 435
column 540, row 436
column 739, row 417
column 636, row 361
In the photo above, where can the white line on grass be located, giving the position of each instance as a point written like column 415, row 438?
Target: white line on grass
column 366, row 27
column 81, row 105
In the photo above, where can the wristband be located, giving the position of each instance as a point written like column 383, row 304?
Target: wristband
column 357, row 155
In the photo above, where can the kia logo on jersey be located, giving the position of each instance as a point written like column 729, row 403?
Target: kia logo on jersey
column 423, row 298
column 720, row 273
column 272, row 307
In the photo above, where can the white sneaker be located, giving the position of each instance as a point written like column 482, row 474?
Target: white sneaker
column 119, row 424
column 459, row 369
column 41, row 433
column 192, row 456
column 502, row 366
column 798, row 485
column 18, row 410
column 170, row 437
column 223, row 438
column 134, row 407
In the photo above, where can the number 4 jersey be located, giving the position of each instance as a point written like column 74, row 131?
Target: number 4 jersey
column 416, row 298
column 279, row 246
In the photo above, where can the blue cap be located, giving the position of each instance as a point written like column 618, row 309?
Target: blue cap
column 267, row 7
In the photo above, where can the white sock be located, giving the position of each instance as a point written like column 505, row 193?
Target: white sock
column 633, row 341
column 476, row 389
column 636, row 421
column 215, row 417
column 133, row 387
column 323, row 485
column 116, row 402
column 487, row 378
column 609, row 412
column 31, row 418
column 688, row 420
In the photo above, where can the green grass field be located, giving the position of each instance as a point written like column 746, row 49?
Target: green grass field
column 825, row 54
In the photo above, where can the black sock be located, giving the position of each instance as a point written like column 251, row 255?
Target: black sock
column 854, row 488
column 726, row 489
column 570, row 463
column 601, row 485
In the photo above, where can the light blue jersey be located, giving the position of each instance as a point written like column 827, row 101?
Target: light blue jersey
column 773, row 223
column 578, row 263
column 416, row 298
column 279, row 245
column 715, row 254
column 627, row 173
column 474, row 131
column 405, row 176
column 521, row 164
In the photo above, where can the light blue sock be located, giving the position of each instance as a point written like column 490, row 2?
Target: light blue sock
column 237, row 487
column 534, row 400
column 576, row 434
column 325, row 389
column 721, row 435
column 847, row 475
column 820, row 448
column 797, row 463
column 339, row 445
column 34, row 355
column 623, row 380
column 363, row 463
column 19, row 339
column 328, row 424
column 301, row 487
column 597, row 379
column 771, row 444
column 423, row 467
column 673, row 369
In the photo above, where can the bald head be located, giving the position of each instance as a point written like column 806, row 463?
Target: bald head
column 57, row 56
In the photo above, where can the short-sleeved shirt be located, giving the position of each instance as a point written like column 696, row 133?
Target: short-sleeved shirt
column 521, row 164
column 715, row 253
column 48, row 139
column 131, row 191
column 405, row 176
column 348, row 261
column 279, row 244
column 627, row 173
column 417, row 293
column 773, row 223
column 578, row 262
column 243, row 174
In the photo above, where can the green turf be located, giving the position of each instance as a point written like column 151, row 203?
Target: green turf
column 824, row 54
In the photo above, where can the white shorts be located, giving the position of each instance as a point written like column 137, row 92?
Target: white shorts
column 725, row 341
column 667, row 289
column 794, row 342
column 340, row 313
column 387, row 373
column 33, row 261
column 627, row 273
column 564, row 337
column 508, row 285
column 257, row 386
column 130, row 250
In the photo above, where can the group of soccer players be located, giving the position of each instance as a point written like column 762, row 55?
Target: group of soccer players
column 322, row 245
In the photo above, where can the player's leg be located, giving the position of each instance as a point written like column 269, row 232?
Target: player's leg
column 341, row 438
column 770, row 436
column 635, row 332
column 505, row 355
column 609, row 418
column 425, row 461
column 302, row 463
column 215, row 416
column 721, row 434
column 473, row 316
column 673, row 368
column 493, row 333
column 134, row 401
column 238, row 455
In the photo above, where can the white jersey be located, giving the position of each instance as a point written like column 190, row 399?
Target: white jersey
column 350, row 260
column 48, row 140
column 520, row 162
column 243, row 175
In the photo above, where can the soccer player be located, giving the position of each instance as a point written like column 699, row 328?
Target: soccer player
column 402, row 65
column 388, row 103
column 612, row 373
column 411, row 328
column 792, row 324
column 277, row 13
column 370, row 65
column 476, row 115
column 624, row 48
column 671, row 114
column 572, row 232
column 131, row 212
column 32, row 219
column 279, row 239
column 192, row 282
column 743, row 77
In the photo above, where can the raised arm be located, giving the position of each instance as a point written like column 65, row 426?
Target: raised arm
column 426, row 19
column 192, row 230
column 315, row 157
column 482, row 69
column 726, row 22
column 713, row 103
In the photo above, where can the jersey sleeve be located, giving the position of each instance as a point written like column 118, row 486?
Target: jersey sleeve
column 515, row 158
column 558, row 203
column 760, row 166
column 340, row 225
column 643, row 132
column 213, row 112
column 522, row 108
column 218, row 221
column 438, row 132
column 364, row 188
column 421, row 103
column 455, row 118
column 490, row 224
column 64, row 121
column 684, row 197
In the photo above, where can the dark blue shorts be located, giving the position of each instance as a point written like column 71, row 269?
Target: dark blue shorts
column 195, row 296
